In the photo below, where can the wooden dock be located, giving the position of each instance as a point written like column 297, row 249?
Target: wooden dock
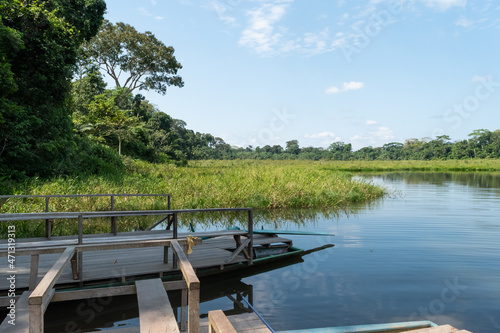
column 123, row 264
column 116, row 265
column 147, row 264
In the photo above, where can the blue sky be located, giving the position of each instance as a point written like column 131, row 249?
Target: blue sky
column 370, row 72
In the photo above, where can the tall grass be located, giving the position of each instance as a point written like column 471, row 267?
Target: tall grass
column 203, row 184
column 206, row 184
column 435, row 165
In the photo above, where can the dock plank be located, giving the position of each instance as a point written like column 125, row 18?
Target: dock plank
column 22, row 317
column 245, row 322
column 155, row 312
column 112, row 265
column 219, row 323
column 437, row 329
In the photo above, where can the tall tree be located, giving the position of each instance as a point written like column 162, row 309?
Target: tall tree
column 120, row 48
column 292, row 147
column 50, row 34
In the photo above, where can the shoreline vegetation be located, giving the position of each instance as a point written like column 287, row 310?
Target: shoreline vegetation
column 264, row 185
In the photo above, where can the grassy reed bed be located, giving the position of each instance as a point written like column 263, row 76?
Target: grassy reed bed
column 203, row 184
column 435, row 166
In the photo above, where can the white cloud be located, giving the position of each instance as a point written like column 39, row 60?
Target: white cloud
column 345, row 87
column 376, row 138
column 221, row 11
column 261, row 34
column 384, row 133
column 323, row 138
column 144, row 11
column 154, row 3
column 463, row 22
column 445, row 4
column 316, row 42
column 333, row 91
column 478, row 78
column 371, row 122
column 322, row 135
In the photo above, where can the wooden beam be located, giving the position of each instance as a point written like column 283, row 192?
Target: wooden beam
column 74, row 215
column 238, row 250
column 218, row 323
column 155, row 312
column 193, row 288
column 34, row 271
column 186, row 268
column 129, row 245
column 43, row 289
column 28, row 252
column 63, row 296
column 116, row 245
column 194, row 310
column 184, row 304
column 35, row 318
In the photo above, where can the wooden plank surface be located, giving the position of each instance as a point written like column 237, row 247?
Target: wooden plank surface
column 111, row 265
column 218, row 322
column 155, row 312
column 22, row 317
column 246, row 322
column 438, row 329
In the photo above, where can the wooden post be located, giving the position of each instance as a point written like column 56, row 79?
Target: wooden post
column 168, row 202
column 165, row 254
column 74, row 266
column 34, row 271
column 193, row 288
column 80, row 229
column 35, row 318
column 79, row 259
column 194, row 310
column 48, row 228
column 175, row 226
column 43, row 293
column 184, row 303
column 113, row 218
column 250, row 235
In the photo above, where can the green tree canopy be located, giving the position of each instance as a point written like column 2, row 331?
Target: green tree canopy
column 120, row 48
column 40, row 43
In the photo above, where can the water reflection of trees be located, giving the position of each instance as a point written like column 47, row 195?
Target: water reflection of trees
column 264, row 218
column 475, row 179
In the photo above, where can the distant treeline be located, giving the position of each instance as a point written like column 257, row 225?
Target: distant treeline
column 134, row 127
column 482, row 143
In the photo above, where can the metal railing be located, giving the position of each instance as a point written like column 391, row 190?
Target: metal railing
column 80, row 216
column 50, row 223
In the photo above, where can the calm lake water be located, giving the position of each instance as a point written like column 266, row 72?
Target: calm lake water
column 431, row 252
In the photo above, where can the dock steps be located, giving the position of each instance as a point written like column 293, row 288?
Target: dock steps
column 155, row 312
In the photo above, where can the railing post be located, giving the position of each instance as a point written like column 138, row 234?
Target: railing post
column 168, row 201
column 250, row 234
column 184, row 309
column 174, row 257
column 79, row 260
column 48, row 226
column 114, row 230
column 175, row 226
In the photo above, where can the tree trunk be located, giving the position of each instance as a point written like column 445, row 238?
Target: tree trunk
column 119, row 145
